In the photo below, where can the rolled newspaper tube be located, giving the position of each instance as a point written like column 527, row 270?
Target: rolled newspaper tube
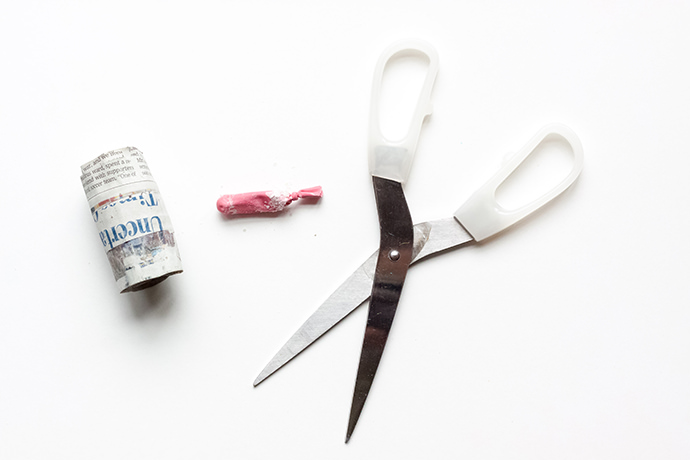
column 132, row 222
column 261, row 202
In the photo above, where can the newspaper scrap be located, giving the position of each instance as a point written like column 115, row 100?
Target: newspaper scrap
column 132, row 223
column 261, row 202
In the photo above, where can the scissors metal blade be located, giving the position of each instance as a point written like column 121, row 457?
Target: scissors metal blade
column 429, row 238
column 394, row 258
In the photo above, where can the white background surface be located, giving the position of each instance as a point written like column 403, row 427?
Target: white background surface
column 567, row 337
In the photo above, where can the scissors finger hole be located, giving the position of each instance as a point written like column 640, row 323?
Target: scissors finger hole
column 401, row 85
column 543, row 169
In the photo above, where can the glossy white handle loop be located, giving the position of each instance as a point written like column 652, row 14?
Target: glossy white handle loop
column 483, row 217
column 388, row 159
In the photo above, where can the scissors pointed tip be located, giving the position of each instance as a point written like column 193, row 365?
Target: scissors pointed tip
column 352, row 423
column 263, row 376
column 350, row 430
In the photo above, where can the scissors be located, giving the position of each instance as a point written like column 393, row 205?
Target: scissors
column 382, row 275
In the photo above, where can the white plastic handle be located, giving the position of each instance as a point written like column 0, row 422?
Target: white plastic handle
column 483, row 217
column 389, row 159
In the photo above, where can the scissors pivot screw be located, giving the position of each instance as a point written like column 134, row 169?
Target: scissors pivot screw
column 394, row 255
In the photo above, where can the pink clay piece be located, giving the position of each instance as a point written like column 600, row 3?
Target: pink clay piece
column 261, row 202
